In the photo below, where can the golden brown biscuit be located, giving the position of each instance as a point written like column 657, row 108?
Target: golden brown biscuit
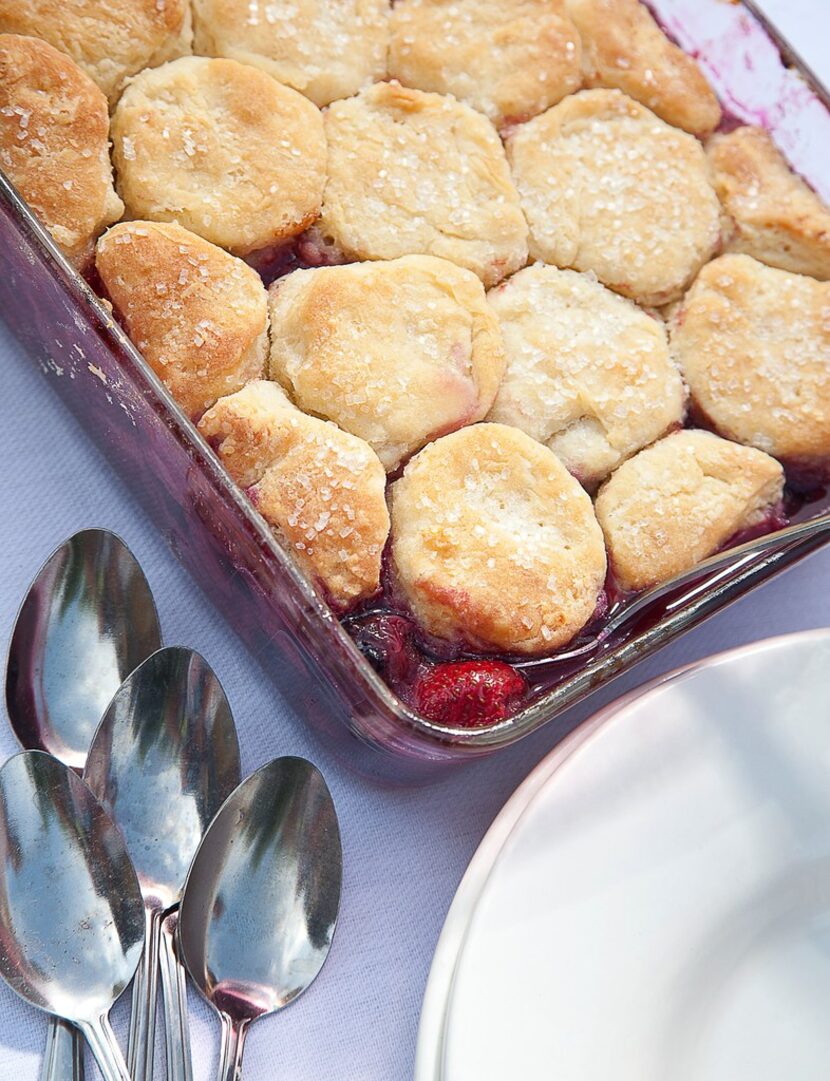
column 396, row 352
column 198, row 315
column 754, row 345
column 679, row 501
column 246, row 429
column 222, row 149
column 511, row 59
column 326, row 49
column 609, row 187
column 420, row 174
column 588, row 372
column 495, row 543
column 109, row 39
column 774, row 216
column 624, row 48
column 319, row 487
column 54, row 132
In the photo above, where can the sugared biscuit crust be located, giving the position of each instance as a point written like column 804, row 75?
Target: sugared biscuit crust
column 494, row 543
column 754, row 345
column 109, row 39
column 246, row 429
column 624, row 48
column 319, row 487
column 415, row 173
column 197, row 314
column 511, row 59
column 609, row 187
column 774, row 216
column 222, row 149
column 679, row 501
column 326, row 49
column 588, row 372
column 395, row 352
column 54, row 131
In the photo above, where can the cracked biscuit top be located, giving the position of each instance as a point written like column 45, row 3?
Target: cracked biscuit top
column 624, row 48
column 773, row 215
column 396, row 352
column 411, row 173
column 494, row 543
column 753, row 344
column 54, row 132
column 679, row 501
column 198, row 315
column 222, row 149
column 510, row 59
column 609, row 187
column 321, row 489
column 326, row 49
column 588, row 372
column 108, row 39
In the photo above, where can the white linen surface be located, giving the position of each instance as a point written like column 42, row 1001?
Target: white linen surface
column 405, row 850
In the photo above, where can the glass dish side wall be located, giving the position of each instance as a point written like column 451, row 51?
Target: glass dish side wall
column 206, row 521
column 218, row 536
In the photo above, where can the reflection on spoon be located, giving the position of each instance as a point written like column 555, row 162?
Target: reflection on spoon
column 71, row 916
column 261, row 899
column 163, row 759
column 87, row 620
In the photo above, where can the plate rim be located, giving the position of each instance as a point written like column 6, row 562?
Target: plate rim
column 437, row 996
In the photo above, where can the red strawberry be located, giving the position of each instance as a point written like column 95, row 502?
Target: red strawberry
column 469, row 694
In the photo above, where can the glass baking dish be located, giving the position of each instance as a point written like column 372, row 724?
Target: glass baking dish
column 217, row 534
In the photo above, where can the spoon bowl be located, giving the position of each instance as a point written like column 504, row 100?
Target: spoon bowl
column 71, row 915
column 262, row 897
column 87, row 620
column 164, row 758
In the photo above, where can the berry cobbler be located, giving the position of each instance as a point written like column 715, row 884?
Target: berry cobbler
column 491, row 316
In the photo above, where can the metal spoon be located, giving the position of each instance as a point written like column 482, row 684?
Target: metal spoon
column 261, row 899
column 87, row 620
column 163, row 760
column 71, row 921
column 720, row 569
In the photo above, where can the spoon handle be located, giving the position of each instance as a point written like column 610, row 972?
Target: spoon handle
column 233, row 1044
column 104, row 1047
column 142, row 1038
column 63, row 1055
column 174, row 987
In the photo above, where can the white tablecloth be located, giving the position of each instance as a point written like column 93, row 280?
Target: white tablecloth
column 405, row 850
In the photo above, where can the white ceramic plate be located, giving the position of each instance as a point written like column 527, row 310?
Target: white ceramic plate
column 653, row 904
